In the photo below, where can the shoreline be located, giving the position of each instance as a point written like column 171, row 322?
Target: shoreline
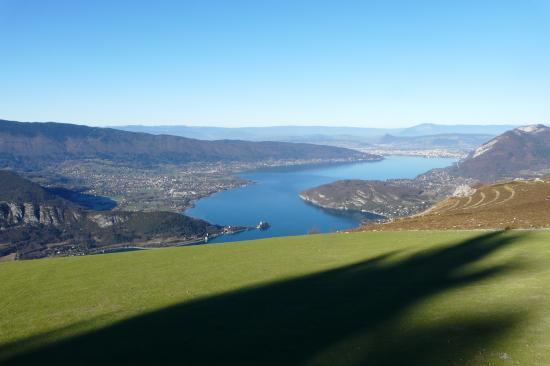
column 298, row 166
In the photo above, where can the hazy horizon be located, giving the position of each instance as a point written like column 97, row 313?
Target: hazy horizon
column 237, row 126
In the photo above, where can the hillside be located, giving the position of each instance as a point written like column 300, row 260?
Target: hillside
column 522, row 152
column 34, row 222
column 32, row 144
column 415, row 298
column 14, row 187
column 377, row 197
column 514, row 204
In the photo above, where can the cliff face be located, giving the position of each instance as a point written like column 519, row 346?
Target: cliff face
column 28, row 213
column 23, row 202
column 36, row 223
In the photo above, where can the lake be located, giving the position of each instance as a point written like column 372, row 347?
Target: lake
column 273, row 197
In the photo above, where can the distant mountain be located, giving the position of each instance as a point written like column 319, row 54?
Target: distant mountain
column 522, row 152
column 273, row 133
column 435, row 129
column 34, row 222
column 284, row 133
column 452, row 141
column 34, row 143
column 455, row 138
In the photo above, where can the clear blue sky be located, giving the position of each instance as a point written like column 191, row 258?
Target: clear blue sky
column 244, row 63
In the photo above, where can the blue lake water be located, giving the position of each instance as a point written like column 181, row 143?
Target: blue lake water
column 273, row 197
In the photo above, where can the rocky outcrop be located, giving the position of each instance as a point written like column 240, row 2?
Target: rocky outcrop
column 35, row 223
column 104, row 221
column 27, row 213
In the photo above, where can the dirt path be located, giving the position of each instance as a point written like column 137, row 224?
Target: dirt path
column 512, row 195
column 514, row 204
column 469, row 201
column 497, row 195
column 479, row 202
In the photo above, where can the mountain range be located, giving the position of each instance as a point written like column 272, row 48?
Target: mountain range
column 456, row 140
column 31, row 144
column 279, row 133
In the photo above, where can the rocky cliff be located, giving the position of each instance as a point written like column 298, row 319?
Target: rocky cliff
column 36, row 223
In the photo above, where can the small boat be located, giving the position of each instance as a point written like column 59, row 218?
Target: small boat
column 263, row 225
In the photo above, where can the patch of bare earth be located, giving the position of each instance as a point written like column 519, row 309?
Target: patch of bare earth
column 7, row 258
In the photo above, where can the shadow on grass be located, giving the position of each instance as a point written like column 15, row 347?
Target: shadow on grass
column 350, row 315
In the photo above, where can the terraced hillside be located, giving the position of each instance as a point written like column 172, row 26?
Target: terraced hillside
column 515, row 204
column 385, row 298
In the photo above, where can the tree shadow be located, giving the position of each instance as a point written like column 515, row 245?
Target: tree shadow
column 351, row 315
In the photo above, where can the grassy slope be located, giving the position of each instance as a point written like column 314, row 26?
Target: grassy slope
column 437, row 298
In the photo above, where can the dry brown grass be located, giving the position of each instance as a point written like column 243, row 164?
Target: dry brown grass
column 514, row 204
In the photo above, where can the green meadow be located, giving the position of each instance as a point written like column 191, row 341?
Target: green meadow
column 378, row 298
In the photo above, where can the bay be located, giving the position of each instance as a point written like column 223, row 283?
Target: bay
column 273, row 197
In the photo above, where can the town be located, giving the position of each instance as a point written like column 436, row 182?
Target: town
column 162, row 187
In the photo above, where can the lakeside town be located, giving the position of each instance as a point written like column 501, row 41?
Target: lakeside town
column 165, row 187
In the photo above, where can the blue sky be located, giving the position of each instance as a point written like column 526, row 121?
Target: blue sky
column 257, row 63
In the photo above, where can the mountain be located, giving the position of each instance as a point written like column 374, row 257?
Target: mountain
column 522, row 152
column 277, row 133
column 425, row 129
column 283, row 133
column 457, row 140
column 34, row 222
column 23, row 144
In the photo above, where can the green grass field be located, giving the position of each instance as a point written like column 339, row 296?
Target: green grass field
column 391, row 298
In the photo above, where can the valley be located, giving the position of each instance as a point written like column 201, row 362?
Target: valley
column 142, row 171
column 274, row 193
column 274, row 183
column 523, row 152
